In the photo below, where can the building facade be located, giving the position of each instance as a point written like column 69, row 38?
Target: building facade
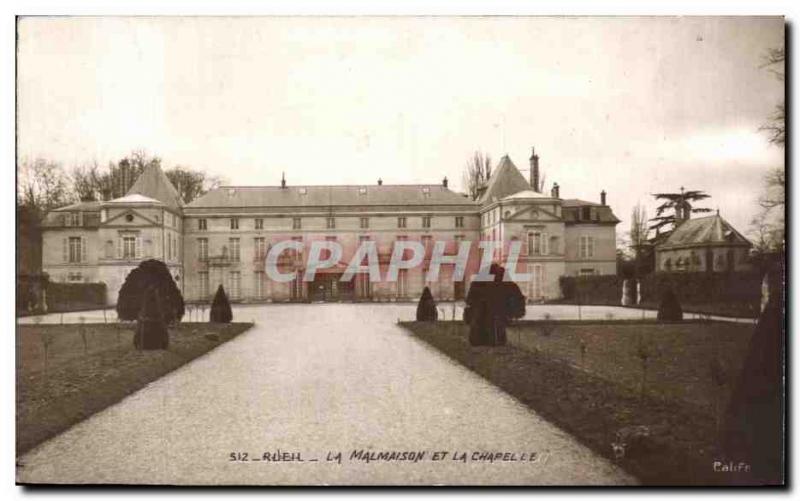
column 224, row 236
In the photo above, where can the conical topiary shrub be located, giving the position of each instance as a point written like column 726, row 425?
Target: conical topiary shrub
column 670, row 309
column 151, row 329
column 221, row 307
column 426, row 308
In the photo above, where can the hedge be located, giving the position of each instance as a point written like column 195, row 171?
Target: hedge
column 68, row 297
column 592, row 289
column 742, row 288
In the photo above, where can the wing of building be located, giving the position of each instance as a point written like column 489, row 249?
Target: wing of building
column 224, row 236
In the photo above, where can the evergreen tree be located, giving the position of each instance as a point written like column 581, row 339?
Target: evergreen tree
column 151, row 329
column 670, row 308
column 150, row 273
column 426, row 308
column 221, row 307
column 491, row 306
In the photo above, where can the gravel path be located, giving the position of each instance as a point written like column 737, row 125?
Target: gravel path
column 313, row 379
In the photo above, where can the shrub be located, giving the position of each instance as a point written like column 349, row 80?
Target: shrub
column 150, row 273
column 426, row 308
column 490, row 307
column 221, row 307
column 151, row 327
column 70, row 297
column 669, row 310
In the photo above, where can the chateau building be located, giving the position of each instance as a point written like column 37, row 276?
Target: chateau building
column 224, row 236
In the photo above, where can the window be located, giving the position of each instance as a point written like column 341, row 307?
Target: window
column 129, row 218
column 401, row 222
column 585, row 272
column 128, row 247
column 586, row 213
column 364, row 222
column 330, row 223
column 75, row 277
column 586, row 246
column 260, row 248
column 202, row 249
column 538, row 244
column 202, row 280
column 536, row 284
column 258, row 283
column 234, row 245
column 234, row 223
column 75, row 249
column 459, row 221
column 296, row 225
column 202, row 224
column 427, row 243
column 73, row 219
column 235, row 279
column 169, row 246
column 326, row 253
column 426, row 221
column 259, row 224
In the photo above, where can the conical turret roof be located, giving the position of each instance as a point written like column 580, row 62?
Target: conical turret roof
column 154, row 183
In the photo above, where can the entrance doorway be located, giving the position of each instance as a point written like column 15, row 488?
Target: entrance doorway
column 328, row 287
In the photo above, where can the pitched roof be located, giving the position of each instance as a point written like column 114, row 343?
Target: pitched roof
column 574, row 202
column 154, row 183
column 707, row 230
column 526, row 195
column 331, row 195
column 505, row 180
column 80, row 206
column 135, row 198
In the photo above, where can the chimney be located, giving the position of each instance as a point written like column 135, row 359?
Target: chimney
column 555, row 192
column 603, row 198
column 283, row 180
column 380, row 182
column 444, row 182
column 534, row 170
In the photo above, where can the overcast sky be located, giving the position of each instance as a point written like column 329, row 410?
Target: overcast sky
column 629, row 105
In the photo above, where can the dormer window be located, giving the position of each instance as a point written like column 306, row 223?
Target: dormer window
column 362, row 191
column 302, row 191
column 73, row 219
column 426, row 191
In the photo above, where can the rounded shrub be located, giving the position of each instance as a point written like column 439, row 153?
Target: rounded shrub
column 221, row 308
column 426, row 308
column 150, row 273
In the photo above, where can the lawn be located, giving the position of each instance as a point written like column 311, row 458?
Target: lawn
column 679, row 355
column 92, row 366
column 594, row 398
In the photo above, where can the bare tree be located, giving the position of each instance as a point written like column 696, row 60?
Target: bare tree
column 192, row 183
column 769, row 225
column 42, row 185
column 86, row 182
column 639, row 234
column 774, row 61
column 477, row 171
column 639, row 230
